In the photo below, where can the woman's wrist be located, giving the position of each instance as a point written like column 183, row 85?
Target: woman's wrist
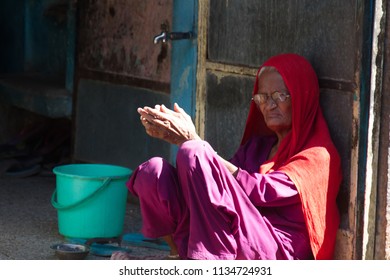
column 189, row 138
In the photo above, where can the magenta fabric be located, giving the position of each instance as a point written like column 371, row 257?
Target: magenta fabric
column 213, row 215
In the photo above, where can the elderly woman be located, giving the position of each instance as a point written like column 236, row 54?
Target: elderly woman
column 275, row 199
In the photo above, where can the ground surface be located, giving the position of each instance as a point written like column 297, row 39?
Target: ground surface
column 29, row 223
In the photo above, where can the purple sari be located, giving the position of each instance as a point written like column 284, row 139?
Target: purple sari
column 213, row 215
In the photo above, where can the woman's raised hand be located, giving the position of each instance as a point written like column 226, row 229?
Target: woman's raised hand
column 175, row 126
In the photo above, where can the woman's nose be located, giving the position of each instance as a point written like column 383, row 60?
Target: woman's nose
column 270, row 103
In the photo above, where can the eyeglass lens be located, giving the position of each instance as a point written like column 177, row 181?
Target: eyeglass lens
column 275, row 96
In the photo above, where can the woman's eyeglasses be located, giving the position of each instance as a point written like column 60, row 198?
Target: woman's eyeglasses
column 277, row 97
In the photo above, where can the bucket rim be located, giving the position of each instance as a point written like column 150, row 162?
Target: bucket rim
column 126, row 171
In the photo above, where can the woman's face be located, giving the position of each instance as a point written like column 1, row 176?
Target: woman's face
column 277, row 113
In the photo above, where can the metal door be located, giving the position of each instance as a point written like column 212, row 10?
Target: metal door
column 120, row 68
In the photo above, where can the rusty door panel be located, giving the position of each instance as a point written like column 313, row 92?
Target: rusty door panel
column 119, row 69
column 116, row 37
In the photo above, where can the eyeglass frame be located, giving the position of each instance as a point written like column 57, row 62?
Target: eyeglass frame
column 276, row 100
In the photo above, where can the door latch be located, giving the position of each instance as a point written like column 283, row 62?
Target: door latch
column 165, row 36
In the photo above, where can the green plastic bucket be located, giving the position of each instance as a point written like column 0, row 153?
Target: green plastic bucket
column 90, row 200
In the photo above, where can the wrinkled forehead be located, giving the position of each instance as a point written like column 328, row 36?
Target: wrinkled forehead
column 289, row 74
column 297, row 72
column 266, row 69
column 277, row 78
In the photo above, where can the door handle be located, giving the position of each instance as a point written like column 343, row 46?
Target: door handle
column 165, row 36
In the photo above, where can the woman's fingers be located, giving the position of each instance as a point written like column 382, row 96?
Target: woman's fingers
column 174, row 126
column 183, row 113
column 154, row 124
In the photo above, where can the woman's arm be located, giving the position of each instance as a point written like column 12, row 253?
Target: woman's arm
column 230, row 166
column 268, row 190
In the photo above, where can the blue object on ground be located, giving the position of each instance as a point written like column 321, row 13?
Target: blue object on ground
column 103, row 250
column 137, row 239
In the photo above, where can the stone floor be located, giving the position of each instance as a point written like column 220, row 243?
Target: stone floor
column 29, row 222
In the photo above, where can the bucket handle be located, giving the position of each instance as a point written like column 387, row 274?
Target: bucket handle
column 77, row 203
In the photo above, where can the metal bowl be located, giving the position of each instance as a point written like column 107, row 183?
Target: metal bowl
column 70, row 251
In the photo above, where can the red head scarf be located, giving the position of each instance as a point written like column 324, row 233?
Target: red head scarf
column 307, row 154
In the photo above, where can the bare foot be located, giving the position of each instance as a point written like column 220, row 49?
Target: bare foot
column 174, row 252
